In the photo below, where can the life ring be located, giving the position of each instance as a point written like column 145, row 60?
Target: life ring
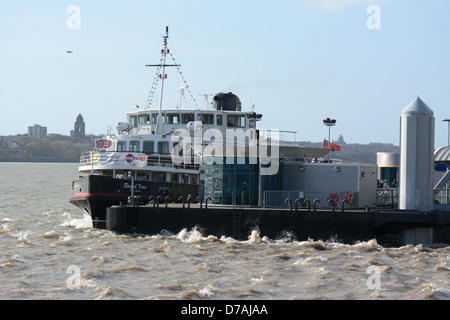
column 333, row 199
column 349, row 197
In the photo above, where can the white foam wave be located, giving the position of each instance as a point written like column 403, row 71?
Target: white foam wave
column 52, row 234
column 4, row 228
column 207, row 291
column 256, row 280
column 113, row 294
column 368, row 245
column 194, row 236
column 227, row 239
column 309, row 260
column 79, row 223
column 255, row 237
column 22, row 236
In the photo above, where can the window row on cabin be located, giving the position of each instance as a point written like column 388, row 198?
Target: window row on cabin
column 233, row 120
column 147, row 146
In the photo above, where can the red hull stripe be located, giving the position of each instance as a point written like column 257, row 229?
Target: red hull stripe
column 93, row 194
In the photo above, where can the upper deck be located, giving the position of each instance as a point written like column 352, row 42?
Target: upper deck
column 169, row 120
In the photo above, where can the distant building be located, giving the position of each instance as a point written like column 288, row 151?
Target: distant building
column 79, row 128
column 37, row 131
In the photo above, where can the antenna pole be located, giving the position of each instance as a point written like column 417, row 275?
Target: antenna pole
column 162, row 76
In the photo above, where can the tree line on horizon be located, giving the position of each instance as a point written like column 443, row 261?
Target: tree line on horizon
column 63, row 149
column 48, row 147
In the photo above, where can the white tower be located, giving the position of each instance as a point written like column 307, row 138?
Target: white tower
column 416, row 157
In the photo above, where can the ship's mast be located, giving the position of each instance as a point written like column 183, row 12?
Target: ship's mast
column 162, row 76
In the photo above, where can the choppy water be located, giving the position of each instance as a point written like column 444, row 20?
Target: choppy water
column 50, row 251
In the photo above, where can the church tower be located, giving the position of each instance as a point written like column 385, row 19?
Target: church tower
column 79, row 128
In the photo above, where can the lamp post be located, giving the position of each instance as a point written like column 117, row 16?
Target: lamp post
column 448, row 145
column 329, row 123
column 448, row 135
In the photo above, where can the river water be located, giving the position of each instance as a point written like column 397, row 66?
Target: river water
column 49, row 251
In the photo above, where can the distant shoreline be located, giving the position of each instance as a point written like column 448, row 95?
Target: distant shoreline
column 37, row 160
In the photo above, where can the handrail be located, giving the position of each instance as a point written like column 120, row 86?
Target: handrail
column 90, row 158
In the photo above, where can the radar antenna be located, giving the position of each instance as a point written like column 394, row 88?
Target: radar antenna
column 205, row 100
column 182, row 98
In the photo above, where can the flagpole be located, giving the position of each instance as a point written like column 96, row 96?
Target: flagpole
column 329, row 142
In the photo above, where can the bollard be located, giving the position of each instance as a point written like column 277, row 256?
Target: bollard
column 315, row 201
column 342, row 204
column 331, row 203
column 181, row 198
column 167, row 200
column 290, row 203
column 296, row 202
column 308, row 204
column 199, row 200
column 159, row 198
column 151, row 198
column 190, row 198
column 206, row 202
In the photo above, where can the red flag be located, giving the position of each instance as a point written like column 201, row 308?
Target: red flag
column 335, row 147
column 332, row 146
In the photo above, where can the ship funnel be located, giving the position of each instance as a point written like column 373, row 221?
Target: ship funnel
column 226, row 101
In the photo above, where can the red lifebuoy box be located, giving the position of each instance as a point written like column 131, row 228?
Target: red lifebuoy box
column 349, row 197
column 333, row 200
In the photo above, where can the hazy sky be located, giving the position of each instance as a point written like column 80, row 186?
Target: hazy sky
column 298, row 61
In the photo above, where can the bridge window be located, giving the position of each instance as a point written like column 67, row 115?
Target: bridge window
column 219, row 120
column 133, row 121
column 154, row 118
column 236, row 121
column 144, row 119
column 206, row 118
column 173, row 118
column 187, row 117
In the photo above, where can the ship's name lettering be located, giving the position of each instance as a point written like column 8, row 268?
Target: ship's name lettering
column 136, row 186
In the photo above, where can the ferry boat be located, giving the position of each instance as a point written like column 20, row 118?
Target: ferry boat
column 141, row 162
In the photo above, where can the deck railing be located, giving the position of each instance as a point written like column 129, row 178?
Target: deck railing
column 143, row 159
column 389, row 197
column 305, row 199
column 386, row 197
column 442, row 196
